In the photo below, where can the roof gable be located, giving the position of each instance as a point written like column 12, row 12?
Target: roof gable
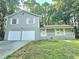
column 22, row 11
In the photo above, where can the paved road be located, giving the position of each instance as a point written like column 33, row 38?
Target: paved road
column 8, row 47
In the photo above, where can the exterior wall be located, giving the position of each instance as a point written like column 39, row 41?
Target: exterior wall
column 22, row 21
column 51, row 35
column 22, row 26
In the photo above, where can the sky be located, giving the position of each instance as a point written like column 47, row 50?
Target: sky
column 42, row 1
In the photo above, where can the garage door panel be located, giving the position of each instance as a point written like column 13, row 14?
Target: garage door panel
column 14, row 35
column 28, row 35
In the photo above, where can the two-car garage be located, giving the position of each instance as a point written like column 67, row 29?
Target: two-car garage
column 21, row 35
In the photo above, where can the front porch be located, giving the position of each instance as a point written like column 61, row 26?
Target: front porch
column 57, row 32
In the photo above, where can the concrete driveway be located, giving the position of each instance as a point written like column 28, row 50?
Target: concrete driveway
column 8, row 47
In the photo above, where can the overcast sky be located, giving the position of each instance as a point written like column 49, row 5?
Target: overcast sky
column 42, row 1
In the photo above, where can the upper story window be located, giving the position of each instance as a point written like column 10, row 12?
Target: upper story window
column 30, row 21
column 14, row 21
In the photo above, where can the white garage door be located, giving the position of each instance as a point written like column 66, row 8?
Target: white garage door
column 14, row 35
column 28, row 35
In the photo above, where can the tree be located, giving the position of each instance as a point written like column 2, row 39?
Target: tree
column 62, row 10
column 31, row 4
column 11, row 6
column 45, row 7
column 3, row 12
column 7, row 7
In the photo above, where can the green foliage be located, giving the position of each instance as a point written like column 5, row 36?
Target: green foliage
column 11, row 6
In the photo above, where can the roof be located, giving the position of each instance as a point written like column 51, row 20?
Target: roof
column 21, row 11
column 56, row 26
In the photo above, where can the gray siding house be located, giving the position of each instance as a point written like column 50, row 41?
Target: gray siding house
column 22, row 25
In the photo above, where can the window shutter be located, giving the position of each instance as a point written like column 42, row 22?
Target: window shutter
column 17, row 21
column 34, row 20
column 27, row 21
column 10, row 20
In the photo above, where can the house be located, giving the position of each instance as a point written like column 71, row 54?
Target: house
column 57, row 32
column 22, row 25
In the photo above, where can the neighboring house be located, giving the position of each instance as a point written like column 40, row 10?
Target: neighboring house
column 22, row 25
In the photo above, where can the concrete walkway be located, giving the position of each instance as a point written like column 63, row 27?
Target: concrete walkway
column 8, row 47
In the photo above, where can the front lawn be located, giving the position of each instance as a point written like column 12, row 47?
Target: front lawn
column 48, row 49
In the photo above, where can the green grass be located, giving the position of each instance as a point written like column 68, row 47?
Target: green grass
column 48, row 49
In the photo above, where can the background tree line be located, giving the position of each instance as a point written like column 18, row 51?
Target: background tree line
column 58, row 12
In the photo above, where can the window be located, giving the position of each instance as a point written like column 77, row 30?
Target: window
column 59, row 32
column 43, row 33
column 14, row 21
column 30, row 21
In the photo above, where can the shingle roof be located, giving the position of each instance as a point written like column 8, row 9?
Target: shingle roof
column 56, row 26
